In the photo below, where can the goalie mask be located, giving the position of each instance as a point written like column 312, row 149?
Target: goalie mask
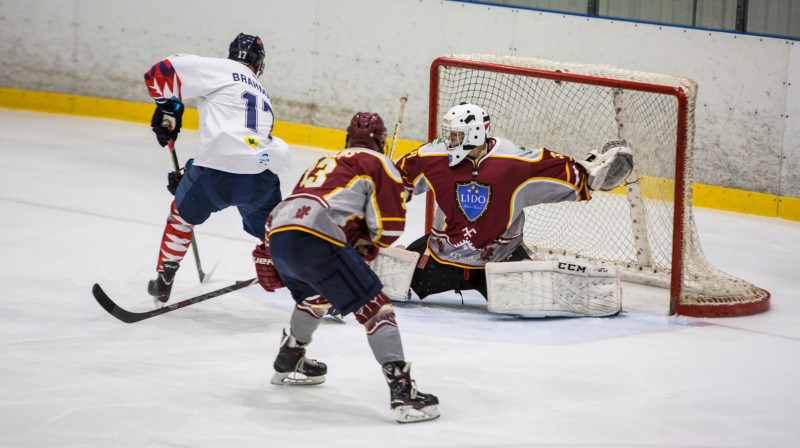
column 366, row 130
column 249, row 50
column 464, row 128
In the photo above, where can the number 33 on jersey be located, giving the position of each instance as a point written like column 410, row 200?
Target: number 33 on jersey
column 346, row 196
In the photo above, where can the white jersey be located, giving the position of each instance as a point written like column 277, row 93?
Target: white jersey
column 236, row 117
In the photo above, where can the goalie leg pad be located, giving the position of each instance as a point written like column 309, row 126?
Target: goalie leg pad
column 395, row 268
column 553, row 288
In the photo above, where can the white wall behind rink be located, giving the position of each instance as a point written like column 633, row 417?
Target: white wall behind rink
column 327, row 59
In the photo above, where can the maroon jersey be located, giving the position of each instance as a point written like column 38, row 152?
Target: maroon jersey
column 480, row 203
column 349, row 195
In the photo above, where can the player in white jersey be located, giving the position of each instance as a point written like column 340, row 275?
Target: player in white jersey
column 237, row 159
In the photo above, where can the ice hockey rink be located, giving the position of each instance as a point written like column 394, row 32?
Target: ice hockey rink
column 83, row 201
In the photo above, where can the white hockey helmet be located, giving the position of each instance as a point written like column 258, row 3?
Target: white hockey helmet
column 464, row 127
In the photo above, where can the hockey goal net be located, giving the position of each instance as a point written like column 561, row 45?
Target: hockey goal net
column 645, row 227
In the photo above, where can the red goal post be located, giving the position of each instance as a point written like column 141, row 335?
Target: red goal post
column 645, row 227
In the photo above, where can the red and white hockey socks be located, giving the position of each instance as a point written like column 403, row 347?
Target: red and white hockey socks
column 176, row 239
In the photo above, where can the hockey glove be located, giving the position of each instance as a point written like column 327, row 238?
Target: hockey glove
column 167, row 121
column 268, row 276
column 173, row 179
column 367, row 250
column 609, row 167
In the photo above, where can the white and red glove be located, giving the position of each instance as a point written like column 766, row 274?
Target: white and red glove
column 268, row 276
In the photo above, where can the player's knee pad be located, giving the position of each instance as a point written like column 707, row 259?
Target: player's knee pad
column 376, row 313
column 315, row 306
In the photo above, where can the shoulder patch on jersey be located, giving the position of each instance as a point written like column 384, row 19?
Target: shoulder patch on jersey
column 473, row 198
column 434, row 148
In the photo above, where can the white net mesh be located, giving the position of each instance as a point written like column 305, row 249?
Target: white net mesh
column 632, row 226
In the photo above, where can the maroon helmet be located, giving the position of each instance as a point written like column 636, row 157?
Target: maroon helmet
column 366, row 130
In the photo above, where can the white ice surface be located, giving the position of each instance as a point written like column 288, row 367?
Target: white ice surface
column 83, row 201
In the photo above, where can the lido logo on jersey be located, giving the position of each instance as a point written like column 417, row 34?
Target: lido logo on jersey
column 473, row 198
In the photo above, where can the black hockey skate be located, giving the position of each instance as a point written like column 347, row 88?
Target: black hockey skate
column 161, row 287
column 408, row 404
column 292, row 367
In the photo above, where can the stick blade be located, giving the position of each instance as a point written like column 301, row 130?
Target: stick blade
column 206, row 276
column 111, row 307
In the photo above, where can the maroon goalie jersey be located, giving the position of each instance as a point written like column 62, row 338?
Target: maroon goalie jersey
column 349, row 195
column 480, row 203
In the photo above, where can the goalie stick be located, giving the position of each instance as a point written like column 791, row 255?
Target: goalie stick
column 130, row 317
column 400, row 111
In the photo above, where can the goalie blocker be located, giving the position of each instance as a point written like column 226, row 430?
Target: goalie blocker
column 553, row 288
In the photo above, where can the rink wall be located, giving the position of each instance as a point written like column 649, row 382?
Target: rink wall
column 329, row 59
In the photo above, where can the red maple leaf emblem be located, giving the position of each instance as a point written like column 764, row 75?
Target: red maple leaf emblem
column 486, row 253
column 302, row 212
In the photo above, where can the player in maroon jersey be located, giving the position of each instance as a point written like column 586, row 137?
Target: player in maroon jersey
column 366, row 130
column 481, row 185
column 320, row 237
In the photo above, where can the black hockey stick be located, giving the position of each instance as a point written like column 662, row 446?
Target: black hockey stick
column 176, row 167
column 130, row 317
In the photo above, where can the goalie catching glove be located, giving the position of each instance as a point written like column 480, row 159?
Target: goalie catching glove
column 167, row 120
column 608, row 167
column 268, row 276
